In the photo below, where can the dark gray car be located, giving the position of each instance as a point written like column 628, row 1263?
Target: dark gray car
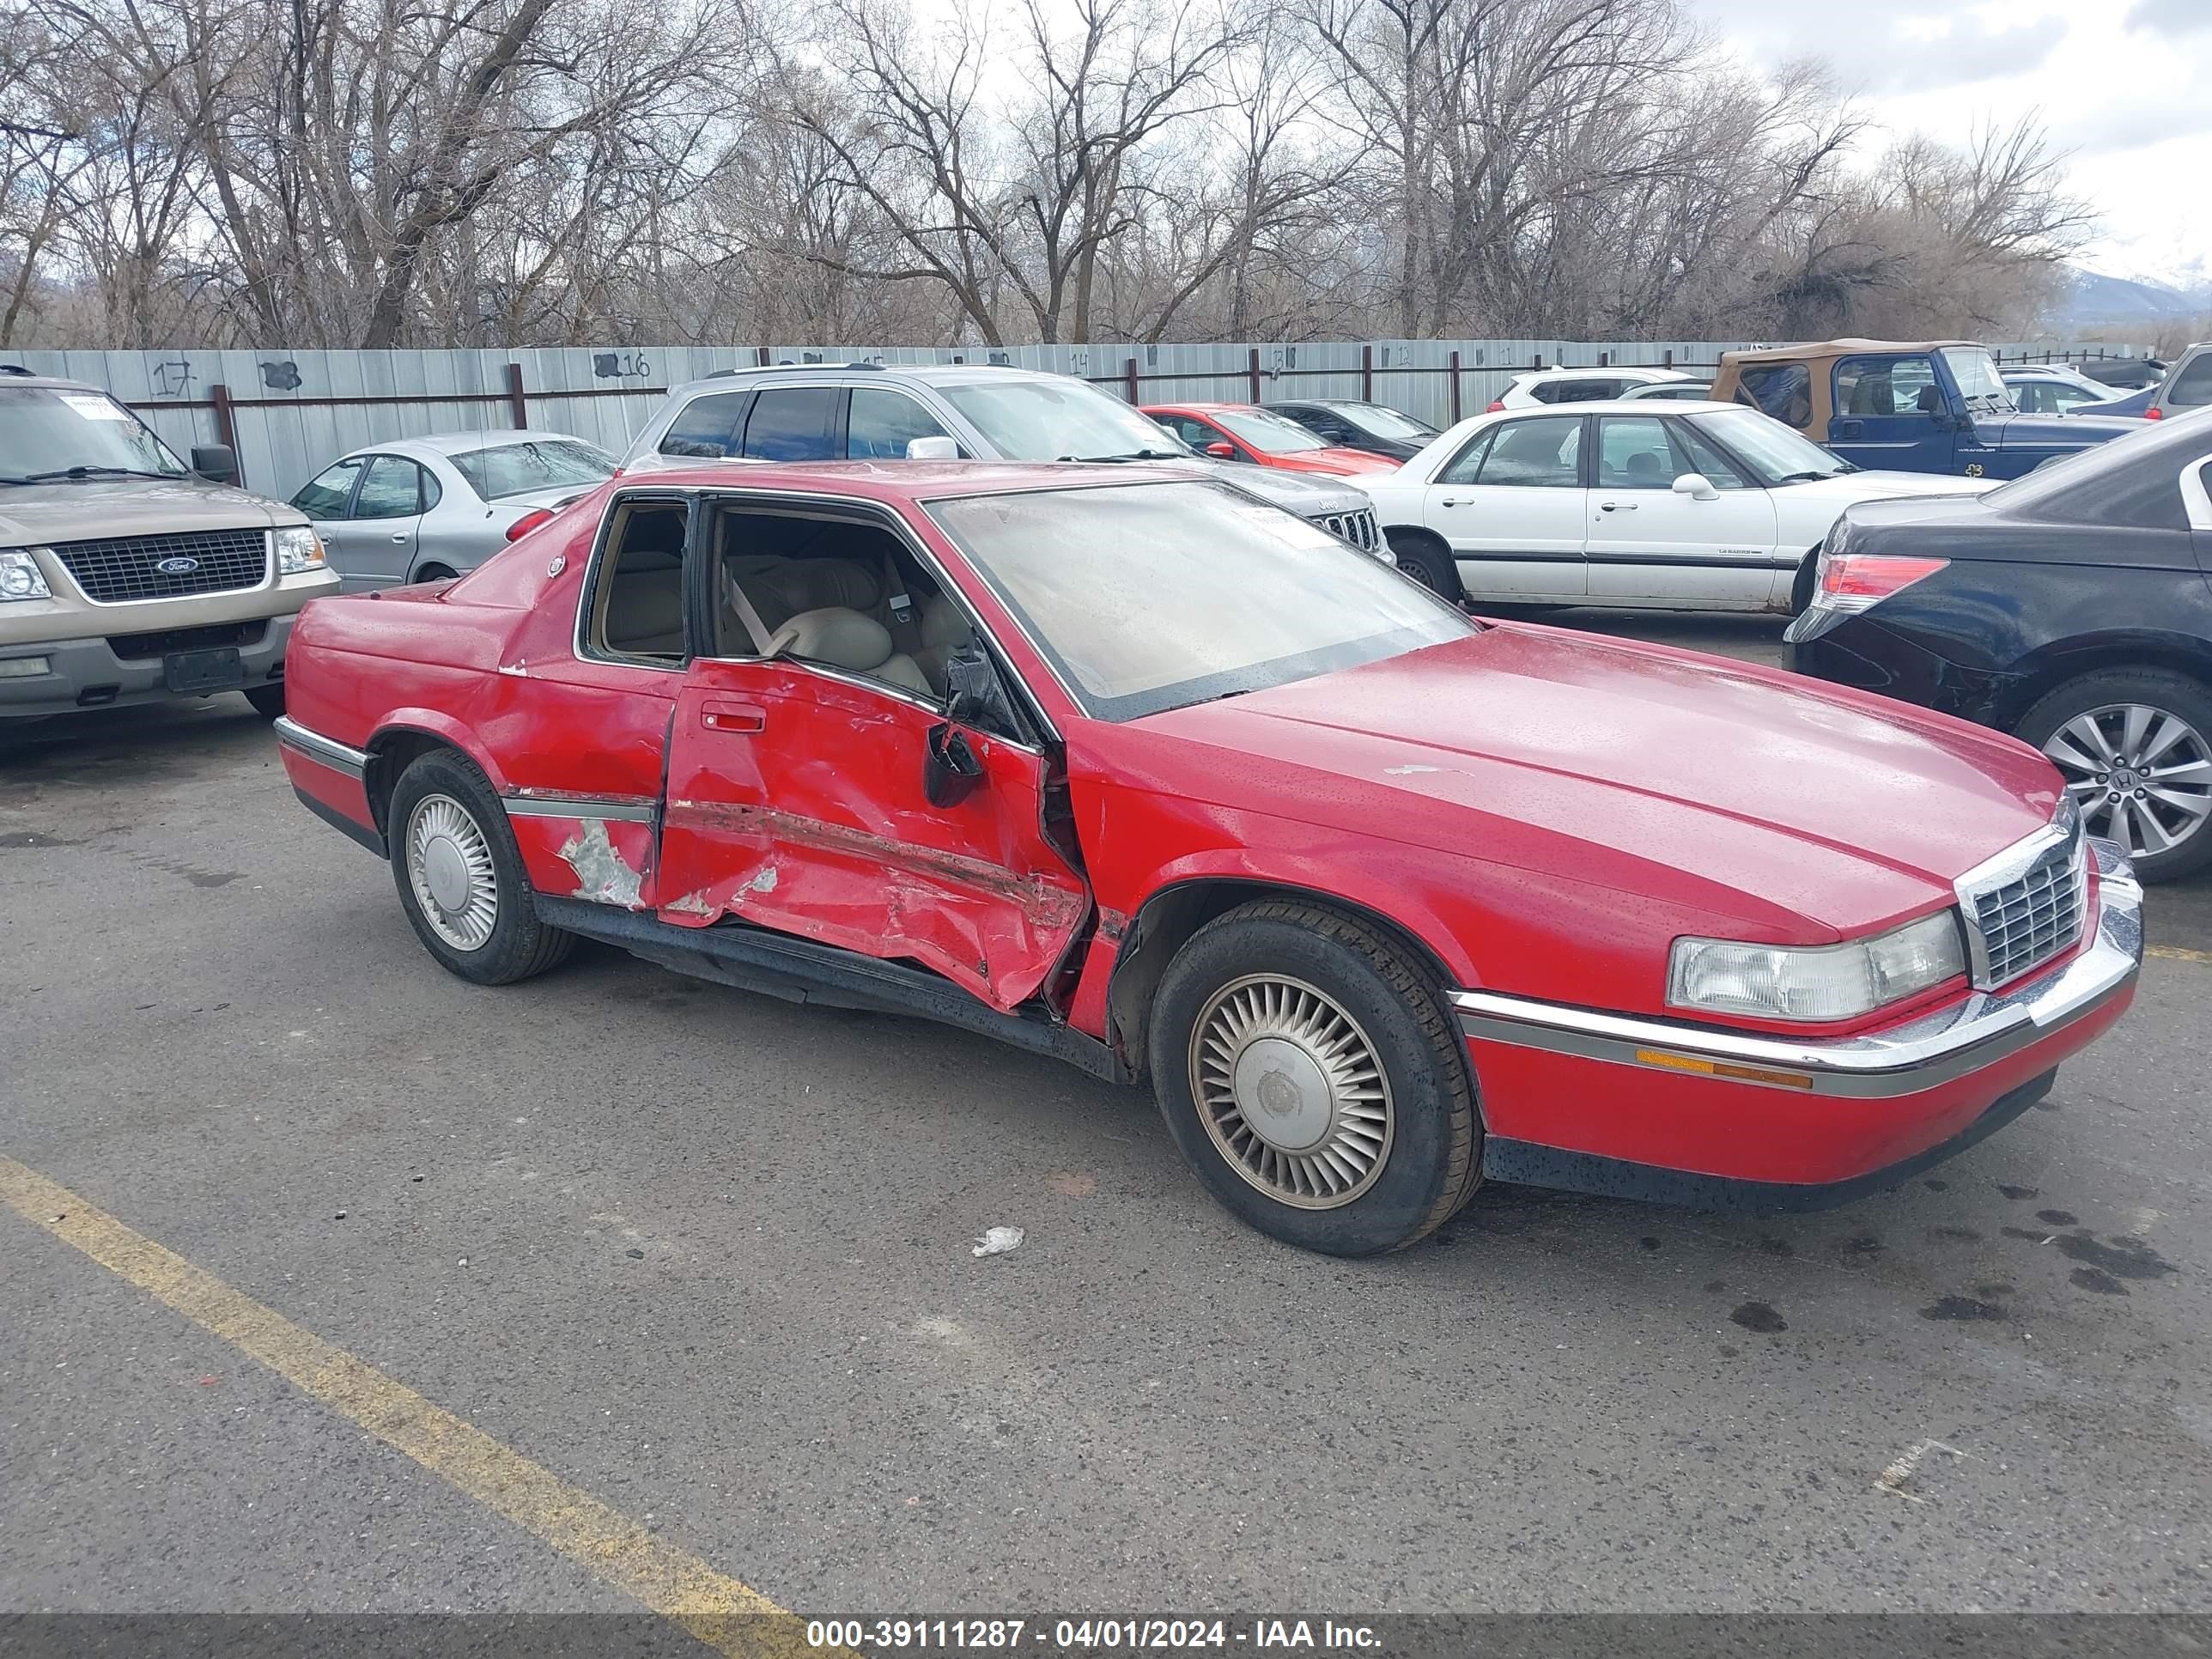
column 866, row 411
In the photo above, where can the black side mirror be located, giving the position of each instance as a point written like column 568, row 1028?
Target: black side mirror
column 216, row 463
column 950, row 771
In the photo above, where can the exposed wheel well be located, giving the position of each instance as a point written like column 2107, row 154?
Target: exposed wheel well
column 434, row 570
column 389, row 754
column 1171, row 917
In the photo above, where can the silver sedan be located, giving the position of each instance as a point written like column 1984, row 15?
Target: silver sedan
column 422, row 509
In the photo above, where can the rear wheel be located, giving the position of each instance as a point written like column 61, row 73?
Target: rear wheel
column 1312, row 1078
column 2135, row 746
column 460, row 876
column 1427, row 561
column 435, row 573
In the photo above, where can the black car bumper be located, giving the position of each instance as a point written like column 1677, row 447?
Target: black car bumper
column 1858, row 651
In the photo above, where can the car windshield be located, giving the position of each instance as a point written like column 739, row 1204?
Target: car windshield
column 501, row 470
column 1978, row 381
column 62, row 432
column 1771, row 449
column 1154, row 596
column 1271, row 435
column 1386, row 422
column 1060, row 419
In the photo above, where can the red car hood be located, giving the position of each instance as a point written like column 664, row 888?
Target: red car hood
column 1340, row 463
column 1626, row 765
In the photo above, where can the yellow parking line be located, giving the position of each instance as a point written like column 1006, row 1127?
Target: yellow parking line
column 2175, row 953
column 728, row 1616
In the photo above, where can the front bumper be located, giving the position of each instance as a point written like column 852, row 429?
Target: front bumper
column 89, row 673
column 1677, row 1098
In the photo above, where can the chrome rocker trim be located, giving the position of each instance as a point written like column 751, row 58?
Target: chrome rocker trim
column 326, row 752
column 558, row 804
column 1922, row 1053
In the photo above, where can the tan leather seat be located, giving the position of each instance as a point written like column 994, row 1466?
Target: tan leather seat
column 645, row 613
column 843, row 638
column 945, row 630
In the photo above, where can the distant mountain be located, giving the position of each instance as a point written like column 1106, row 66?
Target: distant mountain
column 2096, row 298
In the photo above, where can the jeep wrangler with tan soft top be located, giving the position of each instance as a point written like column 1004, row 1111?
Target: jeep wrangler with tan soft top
column 126, row 576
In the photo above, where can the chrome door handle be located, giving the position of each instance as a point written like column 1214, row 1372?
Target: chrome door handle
column 1617, row 506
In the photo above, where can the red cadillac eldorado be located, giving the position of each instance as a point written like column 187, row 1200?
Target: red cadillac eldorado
column 1120, row 765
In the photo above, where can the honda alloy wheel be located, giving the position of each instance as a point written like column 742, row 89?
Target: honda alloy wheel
column 2135, row 749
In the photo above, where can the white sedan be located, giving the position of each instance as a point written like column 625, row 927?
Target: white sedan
column 1684, row 506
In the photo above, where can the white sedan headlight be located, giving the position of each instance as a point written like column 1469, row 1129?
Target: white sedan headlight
column 1829, row 982
column 20, row 577
column 298, row 549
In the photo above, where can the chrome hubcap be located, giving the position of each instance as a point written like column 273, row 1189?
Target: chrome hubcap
column 449, row 867
column 2141, row 776
column 1292, row 1091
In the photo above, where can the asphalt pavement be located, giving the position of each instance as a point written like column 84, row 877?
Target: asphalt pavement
column 705, row 1258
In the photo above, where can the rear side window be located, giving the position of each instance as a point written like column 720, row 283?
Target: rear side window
column 1576, row 392
column 1540, row 454
column 1467, row 464
column 636, row 610
column 1784, row 391
column 392, row 489
column 882, row 424
column 2193, row 386
column 793, row 423
column 707, row 427
column 326, row 497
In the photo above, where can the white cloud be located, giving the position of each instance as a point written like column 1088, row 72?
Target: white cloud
column 2114, row 83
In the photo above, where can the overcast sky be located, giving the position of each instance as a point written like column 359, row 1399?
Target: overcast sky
column 2122, row 84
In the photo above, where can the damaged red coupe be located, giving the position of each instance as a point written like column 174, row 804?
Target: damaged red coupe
column 1120, row 765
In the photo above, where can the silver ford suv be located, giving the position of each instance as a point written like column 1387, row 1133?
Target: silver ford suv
column 869, row 411
column 126, row 576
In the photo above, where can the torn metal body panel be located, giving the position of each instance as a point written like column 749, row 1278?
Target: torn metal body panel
column 811, row 816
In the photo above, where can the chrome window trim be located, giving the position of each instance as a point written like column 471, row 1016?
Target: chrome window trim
column 328, row 752
column 1921, row 1054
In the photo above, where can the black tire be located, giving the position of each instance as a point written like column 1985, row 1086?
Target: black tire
column 2177, row 696
column 1428, row 562
column 517, row 945
column 268, row 700
column 1430, row 1164
column 435, row 573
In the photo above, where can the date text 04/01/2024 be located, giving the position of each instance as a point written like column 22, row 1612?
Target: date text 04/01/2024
column 1085, row 1635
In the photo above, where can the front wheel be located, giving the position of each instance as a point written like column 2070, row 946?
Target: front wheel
column 1312, row 1078
column 268, row 700
column 2135, row 746
column 461, row 878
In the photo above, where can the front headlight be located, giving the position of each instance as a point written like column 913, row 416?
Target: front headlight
column 298, row 549
column 20, row 577
column 1825, row 983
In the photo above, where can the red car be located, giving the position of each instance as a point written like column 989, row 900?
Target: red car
column 1120, row 765
column 1246, row 432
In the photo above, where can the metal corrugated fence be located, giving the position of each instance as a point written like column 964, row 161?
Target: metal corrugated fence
column 289, row 413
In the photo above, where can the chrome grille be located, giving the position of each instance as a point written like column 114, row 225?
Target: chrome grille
column 127, row 567
column 2027, row 906
column 1358, row 528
